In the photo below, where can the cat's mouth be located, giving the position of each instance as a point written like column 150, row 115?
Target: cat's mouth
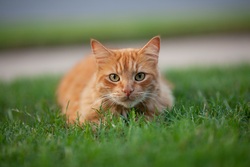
column 126, row 98
column 127, row 101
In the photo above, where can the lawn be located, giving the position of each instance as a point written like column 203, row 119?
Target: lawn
column 208, row 126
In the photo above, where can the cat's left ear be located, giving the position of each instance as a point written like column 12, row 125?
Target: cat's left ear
column 152, row 49
column 100, row 52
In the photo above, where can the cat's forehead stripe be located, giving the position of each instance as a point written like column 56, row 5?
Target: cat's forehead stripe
column 126, row 61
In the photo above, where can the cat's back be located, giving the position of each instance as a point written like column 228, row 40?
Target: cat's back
column 72, row 84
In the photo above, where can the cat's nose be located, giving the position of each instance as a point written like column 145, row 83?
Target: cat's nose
column 128, row 91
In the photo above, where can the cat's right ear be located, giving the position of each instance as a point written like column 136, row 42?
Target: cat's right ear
column 100, row 52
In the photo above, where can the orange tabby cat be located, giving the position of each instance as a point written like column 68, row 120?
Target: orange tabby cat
column 116, row 81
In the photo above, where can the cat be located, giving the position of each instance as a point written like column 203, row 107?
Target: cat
column 115, row 80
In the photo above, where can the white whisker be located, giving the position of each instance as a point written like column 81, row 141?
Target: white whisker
column 101, row 99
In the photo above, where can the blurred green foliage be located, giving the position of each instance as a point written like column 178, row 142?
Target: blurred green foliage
column 32, row 34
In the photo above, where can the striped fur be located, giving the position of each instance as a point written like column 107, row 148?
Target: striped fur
column 88, row 86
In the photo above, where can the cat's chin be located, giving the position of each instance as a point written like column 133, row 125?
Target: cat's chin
column 127, row 104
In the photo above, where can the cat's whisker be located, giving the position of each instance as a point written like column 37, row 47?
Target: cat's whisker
column 101, row 99
column 143, row 103
column 148, row 95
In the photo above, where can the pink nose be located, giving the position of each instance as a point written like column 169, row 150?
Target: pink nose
column 128, row 91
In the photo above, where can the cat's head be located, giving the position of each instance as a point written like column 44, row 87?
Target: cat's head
column 127, row 77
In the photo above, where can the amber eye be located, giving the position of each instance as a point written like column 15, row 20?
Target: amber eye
column 114, row 77
column 140, row 76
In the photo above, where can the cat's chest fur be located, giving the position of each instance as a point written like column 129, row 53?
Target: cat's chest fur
column 115, row 81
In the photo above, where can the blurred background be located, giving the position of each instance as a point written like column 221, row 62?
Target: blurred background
column 55, row 22
column 34, row 31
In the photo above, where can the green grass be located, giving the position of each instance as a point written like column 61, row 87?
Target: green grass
column 59, row 33
column 209, row 126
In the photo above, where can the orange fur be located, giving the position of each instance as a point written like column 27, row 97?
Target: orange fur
column 116, row 80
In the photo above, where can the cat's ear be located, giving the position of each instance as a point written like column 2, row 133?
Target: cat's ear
column 100, row 52
column 151, row 49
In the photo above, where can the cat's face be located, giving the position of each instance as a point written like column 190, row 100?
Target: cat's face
column 127, row 77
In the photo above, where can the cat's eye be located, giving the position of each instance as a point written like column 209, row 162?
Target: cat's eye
column 140, row 76
column 114, row 77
